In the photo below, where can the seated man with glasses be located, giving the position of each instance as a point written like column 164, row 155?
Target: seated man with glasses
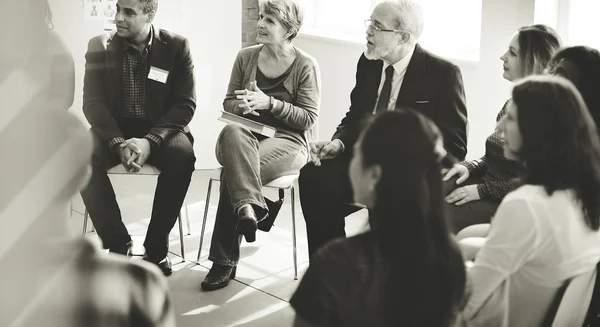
column 393, row 73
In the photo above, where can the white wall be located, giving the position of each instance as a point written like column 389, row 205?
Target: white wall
column 485, row 88
column 214, row 31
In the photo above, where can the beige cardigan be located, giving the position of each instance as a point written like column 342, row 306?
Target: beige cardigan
column 303, row 83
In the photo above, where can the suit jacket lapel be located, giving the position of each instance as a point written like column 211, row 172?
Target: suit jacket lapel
column 410, row 84
column 156, row 58
column 116, row 49
column 372, row 81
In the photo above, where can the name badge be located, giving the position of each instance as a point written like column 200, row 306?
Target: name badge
column 157, row 74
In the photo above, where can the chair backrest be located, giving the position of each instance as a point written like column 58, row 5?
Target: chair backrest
column 575, row 300
column 593, row 313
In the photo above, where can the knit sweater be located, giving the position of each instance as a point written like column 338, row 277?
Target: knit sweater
column 497, row 173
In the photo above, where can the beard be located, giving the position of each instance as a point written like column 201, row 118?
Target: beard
column 380, row 51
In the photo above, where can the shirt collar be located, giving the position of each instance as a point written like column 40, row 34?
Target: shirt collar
column 402, row 64
column 148, row 46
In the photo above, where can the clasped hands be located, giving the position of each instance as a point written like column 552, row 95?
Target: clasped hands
column 463, row 194
column 252, row 100
column 133, row 154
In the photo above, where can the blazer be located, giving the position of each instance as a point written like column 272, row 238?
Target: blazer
column 170, row 106
column 431, row 86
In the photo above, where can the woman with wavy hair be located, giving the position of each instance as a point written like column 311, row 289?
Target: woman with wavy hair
column 546, row 231
column 406, row 271
column 479, row 185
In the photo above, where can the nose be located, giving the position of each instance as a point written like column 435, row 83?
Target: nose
column 503, row 57
column 119, row 16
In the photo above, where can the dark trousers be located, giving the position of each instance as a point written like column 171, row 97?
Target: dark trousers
column 325, row 192
column 471, row 213
column 175, row 159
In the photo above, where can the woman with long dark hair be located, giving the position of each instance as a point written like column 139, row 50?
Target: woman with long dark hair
column 406, row 271
column 581, row 65
column 546, row 231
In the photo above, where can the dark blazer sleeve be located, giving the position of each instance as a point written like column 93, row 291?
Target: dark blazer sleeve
column 452, row 108
column 349, row 128
column 95, row 105
column 179, row 115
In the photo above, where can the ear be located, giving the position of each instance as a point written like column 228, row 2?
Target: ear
column 374, row 175
column 151, row 16
column 404, row 37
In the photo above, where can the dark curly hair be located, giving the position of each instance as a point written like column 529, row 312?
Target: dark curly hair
column 560, row 145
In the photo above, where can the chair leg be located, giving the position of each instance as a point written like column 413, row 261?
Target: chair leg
column 293, row 198
column 181, row 237
column 85, row 221
column 210, row 181
column 187, row 219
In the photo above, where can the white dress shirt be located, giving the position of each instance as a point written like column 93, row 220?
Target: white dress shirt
column 536, row 243
column 399, row 71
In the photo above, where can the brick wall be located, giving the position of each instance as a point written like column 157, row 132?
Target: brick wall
column 249, row 19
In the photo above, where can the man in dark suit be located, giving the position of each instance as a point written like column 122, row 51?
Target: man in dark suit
column 139, row 97
column 393, row 73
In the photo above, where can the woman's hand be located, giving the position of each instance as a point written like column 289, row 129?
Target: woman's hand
column 463, row 195
column 252, row 100
column 457, row 169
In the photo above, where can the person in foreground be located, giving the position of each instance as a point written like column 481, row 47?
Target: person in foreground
column 48, row 277
column 139, row 97
column 480, row 185
column 394, row 72
column 276, row 84
column 407, row 270
column 546, row 231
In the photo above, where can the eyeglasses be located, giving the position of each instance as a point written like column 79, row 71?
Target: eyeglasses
column 369, row 23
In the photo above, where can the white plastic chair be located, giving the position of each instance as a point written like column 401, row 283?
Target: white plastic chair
column 281, row 183
column 145, row 171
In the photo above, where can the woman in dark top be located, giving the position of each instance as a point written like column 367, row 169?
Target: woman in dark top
column 406, row 271
column 481, row 184
column 276, row 84
column 581, row 65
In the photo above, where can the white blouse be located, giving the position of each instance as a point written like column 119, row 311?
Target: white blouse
column 536, row 243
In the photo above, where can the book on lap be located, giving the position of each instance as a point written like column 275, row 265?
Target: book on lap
column 252, row 125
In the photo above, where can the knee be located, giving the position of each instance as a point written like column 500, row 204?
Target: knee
column 308, row 175
column 231, row 135
column 179, row 162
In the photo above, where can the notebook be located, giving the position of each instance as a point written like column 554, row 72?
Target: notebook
column 254, row 126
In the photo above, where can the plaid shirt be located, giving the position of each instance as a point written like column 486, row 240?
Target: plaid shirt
column 135, row 73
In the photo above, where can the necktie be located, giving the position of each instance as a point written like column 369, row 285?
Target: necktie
column 384, row 96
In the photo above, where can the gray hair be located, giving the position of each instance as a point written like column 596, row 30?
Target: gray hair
column 288, row 12
column 410, row 18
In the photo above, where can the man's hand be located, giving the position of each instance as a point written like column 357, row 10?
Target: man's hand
column 127, row 155
column 141, row 147
column 323, row 150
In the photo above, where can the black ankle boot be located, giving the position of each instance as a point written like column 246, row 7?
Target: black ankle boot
column 247, row 223
column 218, row 277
